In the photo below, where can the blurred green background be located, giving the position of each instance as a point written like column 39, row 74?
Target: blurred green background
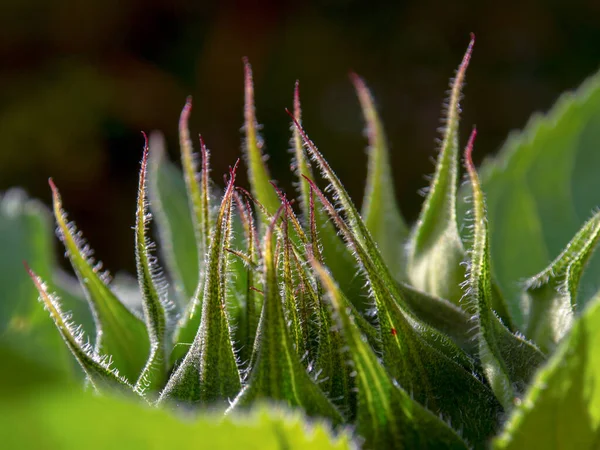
column 79, row 80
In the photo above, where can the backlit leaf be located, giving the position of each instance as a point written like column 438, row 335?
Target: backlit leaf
column 541, row 189
column 435, row 249
column 96, row 368
column 119, row 333
column 380, row 210
column 561, row 409
column 508, row 360
column 154, row 292
column 209, row 372
column 171, row 210
column 258, row 172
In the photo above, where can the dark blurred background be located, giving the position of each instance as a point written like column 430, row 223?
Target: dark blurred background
column 80, row 79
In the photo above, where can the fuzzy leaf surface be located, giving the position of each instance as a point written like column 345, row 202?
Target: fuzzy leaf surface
column 96, row 368
column 26, row 234
column 435, row 247
column 420, row 358
column 508, row 361
column 561, row 409
column 380, row 210
column 153, row 289
column 119, row 332
column 551, row 296
column 209, row 372
column 277, row 373
column 387, row 416
column 258, row 173
column 335, row 254
column 171, row 211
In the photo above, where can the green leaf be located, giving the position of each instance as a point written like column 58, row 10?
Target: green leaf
column 435, row 248
column 561, row 409
column 171, row 211
column 276, row 373
column 541, row 189
column 209, row 373
column 258, row 172
column 119, row 333
column 380, row 210
column 154, row 292
column 387, row 415
column 96, row 368
column 551, row 296
column 66, row 418
column 508, row 361
column 26, row 234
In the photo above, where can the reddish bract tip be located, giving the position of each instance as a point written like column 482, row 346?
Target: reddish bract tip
column 233, row 170
column 356, row 80
column 185, row 112
column 28, row 269
column 297, row 110
column 469, row 150
column 145, row 139
column 465, row 62
column 52, row 185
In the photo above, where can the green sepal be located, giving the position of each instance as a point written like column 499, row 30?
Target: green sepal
column 277, row 373
column 333, row 251
column 387, row 416
column 119, row 332
column 442, row 315
column 435, row 248
column 384, row 289
column 380, row 210
column 96, row 368
column 153, row 288
column 171, row 211
column 258, row 173
column 187, row 327
column 419, row 357
column 508, row 361
column 550, row 297
column 196, row 183
column 209, row 372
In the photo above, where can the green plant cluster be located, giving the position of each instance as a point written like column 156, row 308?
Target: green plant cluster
column 387, row 336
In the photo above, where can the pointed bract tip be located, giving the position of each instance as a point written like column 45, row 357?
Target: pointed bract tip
column 52, row 185
column 201, row 139
column 469, row 150
column 247, row 70
column 472, row 36
column 356, row 80
column 28, row 269
column 297, row 110
column 233, row 171
column 468, row 53
column 145, row 139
